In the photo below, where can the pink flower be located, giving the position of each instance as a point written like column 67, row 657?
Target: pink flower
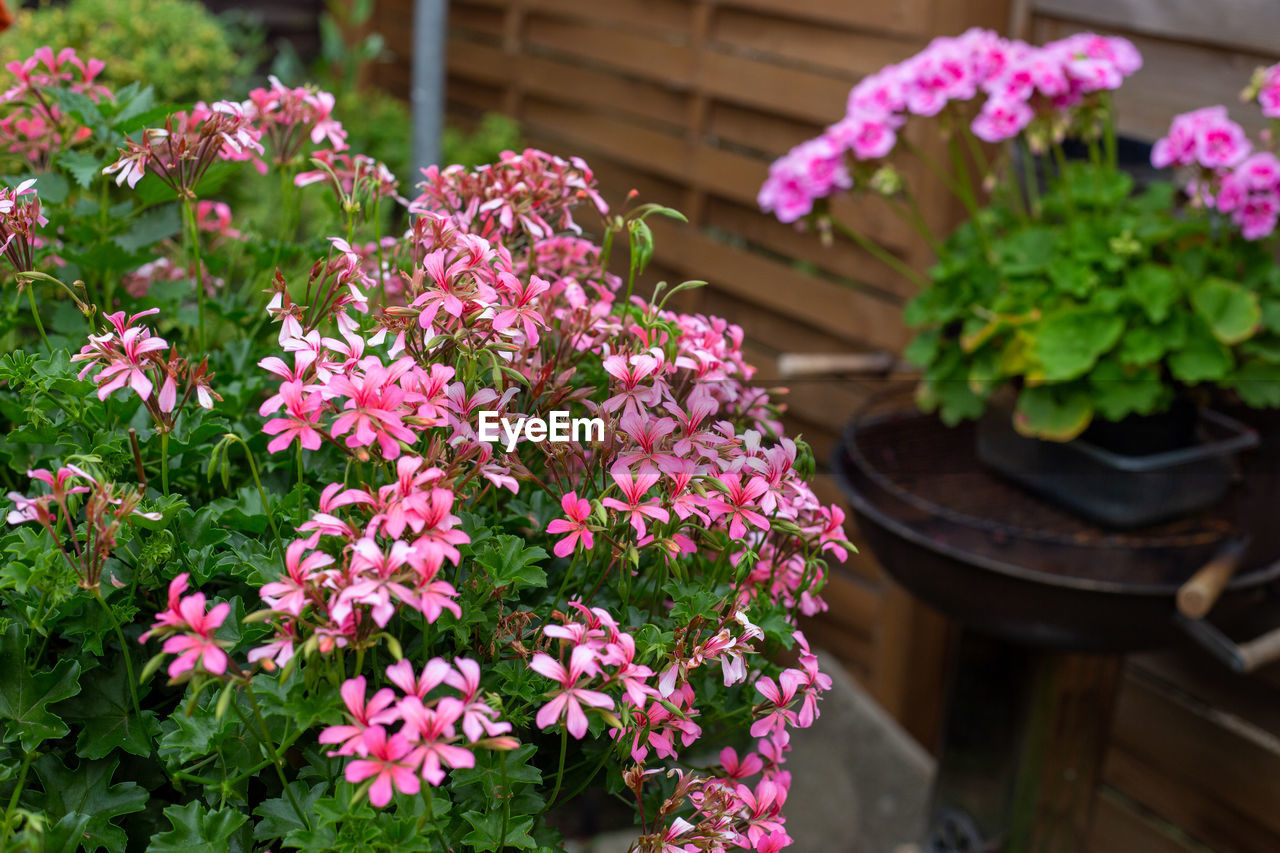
column 385, row 762
column 1269, row 92
column 633, row 489
column 868, row 135
column 1002, row 119
column 376, row 712
column 779, row 696
column 739, row 503
column 198, row 644
column 568, row 702
column 578, row 511
column 478, row 717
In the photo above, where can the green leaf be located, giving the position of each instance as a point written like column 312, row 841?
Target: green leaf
column 25, row 697
column 87, row 790
column 1118, row 392
column 1203, row 358
column 1233, row 313
column 1054, row 413
column 1145, row 344
column 923, row 348
column 1068, row 343
column 1155, row 288
column 150, row 227
column 104, row 710
column 278, row 815
column 82, row 165
column 486, row 831
column 510, row 562
column 197, row 829
column 1257, row 383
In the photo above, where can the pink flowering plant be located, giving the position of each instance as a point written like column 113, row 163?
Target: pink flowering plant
column 268, row 583
column 1083, row 298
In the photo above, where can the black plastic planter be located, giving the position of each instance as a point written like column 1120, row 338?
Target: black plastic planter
column 1118, row 489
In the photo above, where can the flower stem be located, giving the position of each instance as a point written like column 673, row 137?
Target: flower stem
column 564, row 746
column 35, row 315
column 880, row 253
column 13, row 799
column 124, row 650
column 164, row 463
column 262, row 495
column 192, row 229
column 269, row 746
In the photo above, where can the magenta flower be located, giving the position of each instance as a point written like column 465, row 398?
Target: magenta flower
column 375, row 713
column 431, row 730
column 567, row 704
column 385, row 762
column 633, row 489
column 739, row 503
column 197, row 645
column 578, row 511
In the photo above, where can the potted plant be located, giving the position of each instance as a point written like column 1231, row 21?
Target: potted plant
column 1076, row 307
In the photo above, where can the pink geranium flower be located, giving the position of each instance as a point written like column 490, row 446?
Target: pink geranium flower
column 567, row 704
column 578, row 511
column 385, row 763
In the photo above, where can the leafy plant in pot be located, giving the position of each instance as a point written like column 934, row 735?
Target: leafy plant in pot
column 1086, row 323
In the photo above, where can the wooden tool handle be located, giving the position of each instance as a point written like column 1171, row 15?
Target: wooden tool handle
column 1262, row 651
column 1197, row 596
column 793, row 364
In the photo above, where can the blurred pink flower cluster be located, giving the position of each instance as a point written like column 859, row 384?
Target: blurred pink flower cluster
column 1020, row 83
column 1224, row 170
column 36, row 126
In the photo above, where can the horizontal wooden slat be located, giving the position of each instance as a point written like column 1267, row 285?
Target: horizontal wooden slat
column 1119, row 828
column 549, row 77
column 465, row 19
column 784, row 91
column 669, row 17
column 846, row 52
column 636, row 53
column 1235, row 24
column 1220, row 782
column 1175, row 77
column 903, row 16
column 779, row 287
column 842, row 258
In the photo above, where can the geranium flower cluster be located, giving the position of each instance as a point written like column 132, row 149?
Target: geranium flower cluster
column 35, row 126
column 686, row 469
column 286, row 116
column 438, row 728
column 530, row 192
column 181, row 152
column 130, row 355
column 1224, row 170
column 188, row 626
column 20, row 216
column 1020, row 83
column 105, row 508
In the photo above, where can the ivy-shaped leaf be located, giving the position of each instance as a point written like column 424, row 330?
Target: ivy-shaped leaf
column 88, row 791
column 197, row 829
column 105, row 710
column 511, row 563
column 25, row 696
column 487, row 834
column 82, row 165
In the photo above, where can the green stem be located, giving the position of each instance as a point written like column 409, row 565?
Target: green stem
column 298, row 512
column 262, row 495
column 192, row 231
column 880, row 253
column 269, row 746
column 35, row 315
column 124, row 650
column 1030, row 182
column 564, row 747
column 164, row 463
column 506, row 805
column 13, row 800
column 968, row 197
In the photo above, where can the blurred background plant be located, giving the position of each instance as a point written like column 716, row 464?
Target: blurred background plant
column 177, row 46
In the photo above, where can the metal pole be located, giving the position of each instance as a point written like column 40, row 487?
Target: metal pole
column 430, row 18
